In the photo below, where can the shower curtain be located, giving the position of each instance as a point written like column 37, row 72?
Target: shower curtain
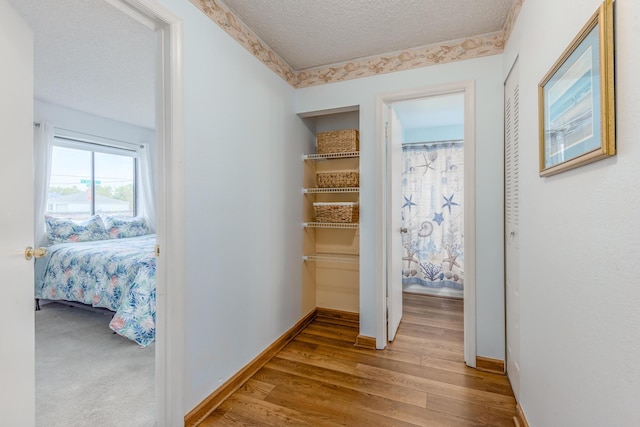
column 432, row 213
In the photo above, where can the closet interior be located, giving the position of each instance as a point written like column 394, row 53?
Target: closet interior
column 330, row 214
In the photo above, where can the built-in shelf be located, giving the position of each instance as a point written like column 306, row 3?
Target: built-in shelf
column 337, row 258
column 331, row 156
column 329, row 257
column 331, row 190
column 351, row 225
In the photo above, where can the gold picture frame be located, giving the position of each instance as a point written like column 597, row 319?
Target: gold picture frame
column 576, row 99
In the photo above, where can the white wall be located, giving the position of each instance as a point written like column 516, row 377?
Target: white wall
column 579, row 234
column 243, row 208
column 80, row 121
column 434, row 133
column 489, row 180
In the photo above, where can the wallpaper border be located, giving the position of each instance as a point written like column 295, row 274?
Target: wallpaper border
column 511, row 18
column 438, row 53
column 423, row 56
column 238, row 30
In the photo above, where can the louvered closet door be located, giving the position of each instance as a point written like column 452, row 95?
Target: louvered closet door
column 512, row 213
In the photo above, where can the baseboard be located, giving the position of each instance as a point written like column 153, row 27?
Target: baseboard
column 207, row 406
column 347, row 318
column 338, row 315
column 363, row 341
column 519, row 420
column 495, row 366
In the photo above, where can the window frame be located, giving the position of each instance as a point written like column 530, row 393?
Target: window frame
column 92, row 146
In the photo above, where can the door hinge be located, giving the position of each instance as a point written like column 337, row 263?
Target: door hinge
column 157, row 251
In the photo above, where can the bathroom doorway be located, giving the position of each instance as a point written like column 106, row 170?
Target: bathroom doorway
column 432, row 213
column 428, row 149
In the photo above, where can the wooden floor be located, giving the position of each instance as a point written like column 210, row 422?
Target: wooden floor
column 320, row 379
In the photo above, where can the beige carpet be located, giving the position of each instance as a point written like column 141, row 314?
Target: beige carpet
column 88, row 376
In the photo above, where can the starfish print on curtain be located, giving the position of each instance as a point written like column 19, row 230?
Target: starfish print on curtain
column 437, row 217
column 407, row 202
column 449, row 202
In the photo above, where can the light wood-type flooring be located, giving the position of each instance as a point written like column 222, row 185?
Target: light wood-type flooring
column 321, row 379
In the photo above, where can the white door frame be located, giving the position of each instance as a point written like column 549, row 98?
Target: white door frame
column 383, row 228
column 169, row 202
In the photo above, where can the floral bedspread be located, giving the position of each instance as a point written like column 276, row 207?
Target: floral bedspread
column 117, row 274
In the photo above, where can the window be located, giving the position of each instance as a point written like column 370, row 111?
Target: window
column 88, row 179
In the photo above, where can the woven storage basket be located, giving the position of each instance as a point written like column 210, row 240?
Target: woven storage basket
column 336, row 211
column 338, row 179
column 338, row 141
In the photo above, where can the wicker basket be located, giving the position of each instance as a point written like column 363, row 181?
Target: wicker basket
column 336, row 211
column 338, row 141
column 338, row 179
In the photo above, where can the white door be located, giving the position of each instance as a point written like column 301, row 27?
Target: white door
column 17, row 342
column 394, row 248
column 512, row 211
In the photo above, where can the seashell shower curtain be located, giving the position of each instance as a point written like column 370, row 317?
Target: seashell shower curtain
column 433, row 214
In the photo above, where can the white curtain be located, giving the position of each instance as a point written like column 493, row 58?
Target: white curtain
column 146, row 193
column 42, row 149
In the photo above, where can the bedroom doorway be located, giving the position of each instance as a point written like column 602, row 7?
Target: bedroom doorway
column 423, row 130
column 94, row 169
column 167, row 362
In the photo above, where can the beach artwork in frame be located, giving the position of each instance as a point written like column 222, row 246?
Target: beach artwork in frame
column 576, row 99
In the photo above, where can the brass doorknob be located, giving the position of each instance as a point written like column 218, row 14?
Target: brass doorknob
column 29, row 253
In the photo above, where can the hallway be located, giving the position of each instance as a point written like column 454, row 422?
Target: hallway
column 320, row 379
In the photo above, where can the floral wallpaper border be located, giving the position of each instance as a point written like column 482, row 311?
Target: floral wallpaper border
column 511, row 18
column 439, row 53
column 221, row 15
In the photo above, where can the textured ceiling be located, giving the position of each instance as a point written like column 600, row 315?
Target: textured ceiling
column 310, row 33
column 89, row 56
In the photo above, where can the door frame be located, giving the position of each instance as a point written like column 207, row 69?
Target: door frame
column 169, row 350
column 383, row 228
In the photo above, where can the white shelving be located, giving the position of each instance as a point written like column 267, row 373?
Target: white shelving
column 331, row 156
column 350, row 225
column 336, row 258
column 331, row 190
column 330, row 250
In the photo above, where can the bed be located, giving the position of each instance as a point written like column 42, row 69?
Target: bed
column 116, row 274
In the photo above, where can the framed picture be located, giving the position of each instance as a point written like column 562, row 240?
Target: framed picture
column 576, row 99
